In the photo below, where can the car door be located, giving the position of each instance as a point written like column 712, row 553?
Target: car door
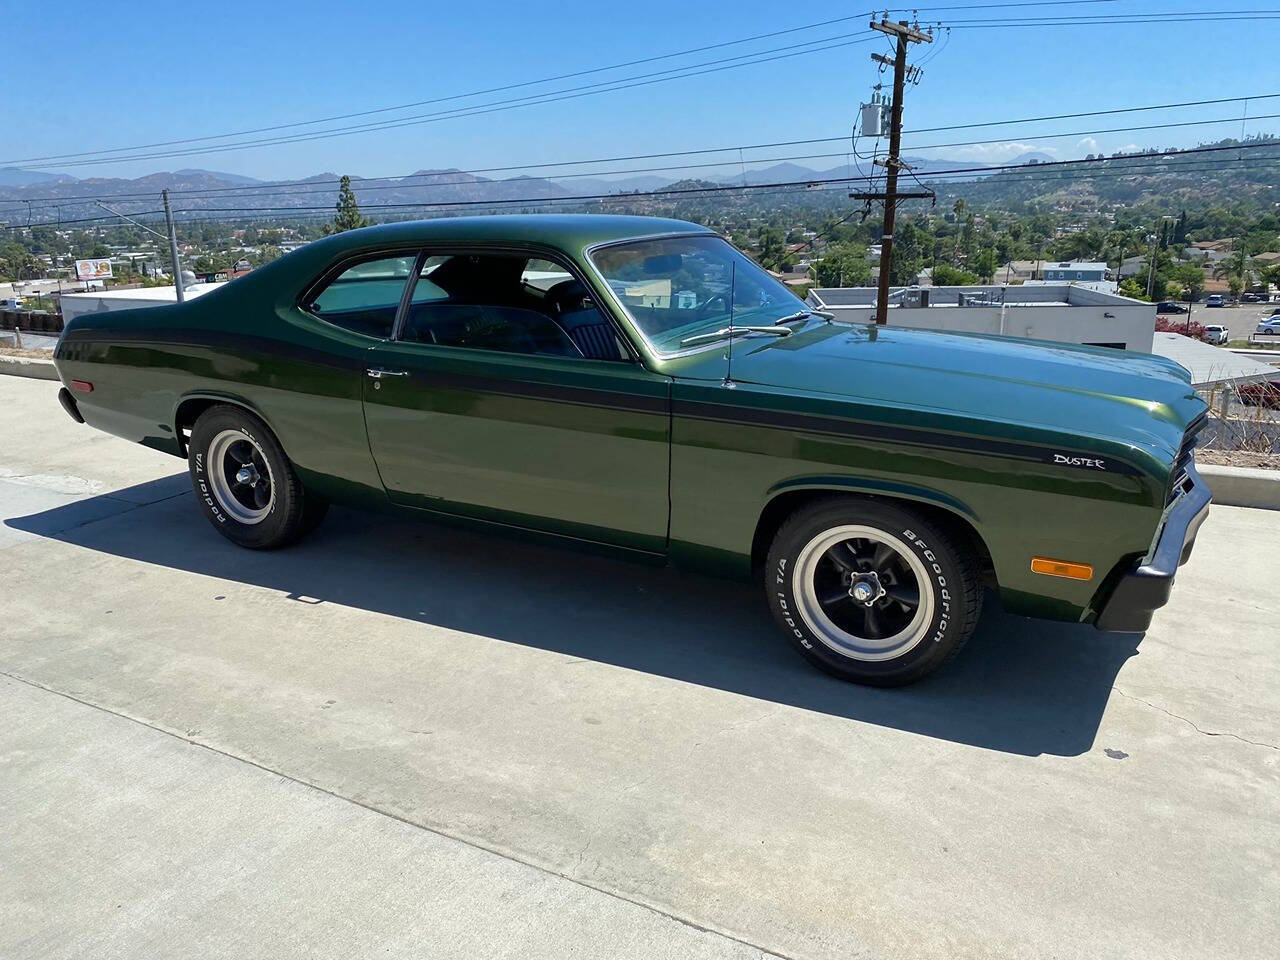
column 481, row 405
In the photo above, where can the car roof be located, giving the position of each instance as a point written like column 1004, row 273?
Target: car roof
column 563, row 231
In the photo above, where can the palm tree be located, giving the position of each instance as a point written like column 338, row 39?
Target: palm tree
column 1116, row 241
column 1235, row 268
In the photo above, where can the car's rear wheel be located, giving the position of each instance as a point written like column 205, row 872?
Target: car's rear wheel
column 870, row 591
column 244, row 482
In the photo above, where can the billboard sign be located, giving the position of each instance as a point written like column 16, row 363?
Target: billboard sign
column 93, row 269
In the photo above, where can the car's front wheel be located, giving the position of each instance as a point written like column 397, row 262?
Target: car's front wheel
column 870, row 591
column 244, row 482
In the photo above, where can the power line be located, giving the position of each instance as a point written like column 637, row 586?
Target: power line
column 529, row 83
column 829, row 186
column 250, row 188
column 970, row 170
column 1095, row 21
column 1115, row 167
column 1086, row 133
column 456, row 96
column 575, row 93
column 571, row 93
column 1098, row 113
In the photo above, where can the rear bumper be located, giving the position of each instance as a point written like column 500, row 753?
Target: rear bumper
column 1140, row 592
column 69, row 404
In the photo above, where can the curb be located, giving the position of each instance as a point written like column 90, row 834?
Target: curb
column 1242, row 486
column 33, row 367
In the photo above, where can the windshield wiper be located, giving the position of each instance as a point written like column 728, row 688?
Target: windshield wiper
column 798, row 315
column 806, row 313
column 725, row 332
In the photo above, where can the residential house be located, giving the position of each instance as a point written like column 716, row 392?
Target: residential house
column 1074, row 270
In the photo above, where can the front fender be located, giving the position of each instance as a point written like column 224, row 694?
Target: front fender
column 883, row 488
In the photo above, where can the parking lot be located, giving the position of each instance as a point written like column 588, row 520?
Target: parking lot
column 1241, row 321
column 399, row 739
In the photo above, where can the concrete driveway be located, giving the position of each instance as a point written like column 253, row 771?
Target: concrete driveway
column 404, row 740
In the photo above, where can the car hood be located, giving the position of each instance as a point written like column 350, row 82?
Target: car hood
column 1000, row 385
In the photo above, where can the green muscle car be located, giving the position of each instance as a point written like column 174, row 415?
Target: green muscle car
column 640, row 384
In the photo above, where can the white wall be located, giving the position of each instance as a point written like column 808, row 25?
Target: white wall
column 1065, row 314
column 76, row 304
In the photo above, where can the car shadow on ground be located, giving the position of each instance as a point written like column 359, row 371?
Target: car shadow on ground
column 1021, row 686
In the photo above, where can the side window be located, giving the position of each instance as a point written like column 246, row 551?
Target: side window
column 364, row 297
column 424, row 291
column 507, row 303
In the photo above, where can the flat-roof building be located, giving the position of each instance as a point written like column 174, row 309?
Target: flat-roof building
column 115, row 298
column 1064, row 312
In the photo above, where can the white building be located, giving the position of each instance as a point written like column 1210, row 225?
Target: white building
column 76, row 304
column 1067, row 313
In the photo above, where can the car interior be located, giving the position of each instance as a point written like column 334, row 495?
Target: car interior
column 501, row 302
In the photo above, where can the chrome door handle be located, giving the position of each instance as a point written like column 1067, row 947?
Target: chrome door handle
column 379, row 372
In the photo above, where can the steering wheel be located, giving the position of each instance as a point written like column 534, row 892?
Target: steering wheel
column 706, row 304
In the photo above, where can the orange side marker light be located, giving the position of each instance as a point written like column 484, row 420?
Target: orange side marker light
column 1061, row 568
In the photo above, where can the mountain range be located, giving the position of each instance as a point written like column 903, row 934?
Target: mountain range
column 220, row 191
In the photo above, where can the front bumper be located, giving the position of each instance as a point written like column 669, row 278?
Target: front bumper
column 1140, row 592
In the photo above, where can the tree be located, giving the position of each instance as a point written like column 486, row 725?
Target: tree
column 845, row 265
column 773, row 249
column 17, row 263
column 945, row 275
column 908, row 255
column 1189, row 278
column 266, row 253
column 1235, row 283
column 1234, row 268
column 348, row 216
column 985, row 263
column 1129, row 287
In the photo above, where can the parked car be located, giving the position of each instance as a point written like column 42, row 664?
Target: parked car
column 1252, row 298
column 1265, row 393
column 1215, row 333
column 639, row 384
column 1269, row 327
column 1168, row 306
column 1214, row 300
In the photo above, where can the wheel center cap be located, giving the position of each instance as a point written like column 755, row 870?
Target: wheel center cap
column 866, row 588
column 247, row 474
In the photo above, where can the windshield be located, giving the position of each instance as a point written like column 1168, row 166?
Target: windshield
column 674, row 288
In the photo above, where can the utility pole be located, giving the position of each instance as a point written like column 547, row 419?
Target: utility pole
column 173, row 247
column 172, row 238
column 1151, row 269
column 905, row 33
column 1154, row 238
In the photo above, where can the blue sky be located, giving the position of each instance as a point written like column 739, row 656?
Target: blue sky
column 141, row 74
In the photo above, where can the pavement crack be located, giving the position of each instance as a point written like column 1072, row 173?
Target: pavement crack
column 1195, row 726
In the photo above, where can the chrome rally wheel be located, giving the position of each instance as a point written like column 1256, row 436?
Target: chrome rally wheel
column 244, row 482
column 240, row 477
column 872, row 590
column 863, row 592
